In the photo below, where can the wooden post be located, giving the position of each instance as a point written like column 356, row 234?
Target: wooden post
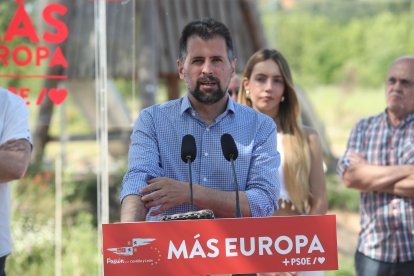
column 148, row 54
column 173, row 87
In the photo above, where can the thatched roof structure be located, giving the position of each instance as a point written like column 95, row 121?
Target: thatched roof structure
column 132, row 25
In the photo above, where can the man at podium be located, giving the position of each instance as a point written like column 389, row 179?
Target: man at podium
column 157, row 180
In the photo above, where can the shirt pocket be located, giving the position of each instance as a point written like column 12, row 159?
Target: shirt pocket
column 407, row 154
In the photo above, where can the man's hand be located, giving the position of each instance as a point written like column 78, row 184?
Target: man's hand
column 356, row 159
column 165, row 193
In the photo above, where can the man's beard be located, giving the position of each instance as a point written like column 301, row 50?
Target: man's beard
column 208, row 98
column 395, row 107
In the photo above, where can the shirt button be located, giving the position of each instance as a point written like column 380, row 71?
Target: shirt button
column 193, row 113
column 208, row 129
column 206, row 154
column 205, row 179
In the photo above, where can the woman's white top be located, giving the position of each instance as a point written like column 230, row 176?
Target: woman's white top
column 283, row 192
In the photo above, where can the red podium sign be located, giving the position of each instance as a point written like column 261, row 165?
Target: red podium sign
column 243, row 245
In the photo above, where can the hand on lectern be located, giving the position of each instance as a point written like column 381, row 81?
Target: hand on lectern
column 165, row 193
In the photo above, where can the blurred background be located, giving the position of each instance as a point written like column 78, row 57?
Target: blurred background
column 87, row 67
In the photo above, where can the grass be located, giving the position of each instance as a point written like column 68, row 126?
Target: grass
column 346, row 267
column 339, row 110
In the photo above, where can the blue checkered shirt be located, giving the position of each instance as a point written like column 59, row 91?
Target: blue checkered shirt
column 155, row 151
column 387, row 220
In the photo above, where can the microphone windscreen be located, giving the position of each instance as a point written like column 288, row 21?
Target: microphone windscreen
column 188, row 148
column 228, row 147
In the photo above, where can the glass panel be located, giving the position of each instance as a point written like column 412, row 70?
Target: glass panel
column 73, row 63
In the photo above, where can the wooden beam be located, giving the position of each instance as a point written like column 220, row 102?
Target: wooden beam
column 148, row 55
column 173, row 86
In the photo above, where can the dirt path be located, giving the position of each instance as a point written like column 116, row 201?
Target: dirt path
column 347, row 224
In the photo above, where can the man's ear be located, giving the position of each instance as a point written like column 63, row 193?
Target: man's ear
column 180, row 67
column 233, row 65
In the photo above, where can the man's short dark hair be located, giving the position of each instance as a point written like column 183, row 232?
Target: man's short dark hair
column 206, row 29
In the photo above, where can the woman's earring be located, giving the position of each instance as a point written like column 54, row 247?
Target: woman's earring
column 283, row 99
column 247, row 94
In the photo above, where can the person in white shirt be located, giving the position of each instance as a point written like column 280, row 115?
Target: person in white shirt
column 267, row 86
column 15, row 152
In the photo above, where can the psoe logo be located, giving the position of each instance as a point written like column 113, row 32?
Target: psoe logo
column 130, row 250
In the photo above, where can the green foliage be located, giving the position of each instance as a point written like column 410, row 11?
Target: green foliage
column 34, row 250
column 80, row 243
column 345, row 266
column 340, row 197
column 340, row 107
column 324, row 47
column 32, row 225
column 345, row 11
column 33, row 228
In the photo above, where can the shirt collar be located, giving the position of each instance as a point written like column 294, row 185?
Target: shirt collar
column 408, row 118
column 186, row 105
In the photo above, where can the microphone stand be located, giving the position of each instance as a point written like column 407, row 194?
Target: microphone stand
column 191, row 182
column 236, row 188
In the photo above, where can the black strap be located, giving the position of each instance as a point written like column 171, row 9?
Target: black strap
column 3, row 265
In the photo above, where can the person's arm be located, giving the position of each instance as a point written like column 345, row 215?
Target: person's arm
column 369, row 178
column 168, row 193
column 143, row 160
column 263, row 183
column 404, row 187
column 223, row 204
column 317, row 181
column 358, row 174
column 14, row 159
column 133, row 209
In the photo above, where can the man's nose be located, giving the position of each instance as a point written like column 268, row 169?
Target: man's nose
column 207, row 68
column 398, row 85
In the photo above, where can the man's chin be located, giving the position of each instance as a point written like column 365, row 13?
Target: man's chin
column 208, row 98
column 396, row 108
column 209, row 101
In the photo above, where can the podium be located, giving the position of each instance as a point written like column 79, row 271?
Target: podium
column 221, row 246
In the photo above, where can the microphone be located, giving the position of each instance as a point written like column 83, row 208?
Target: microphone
column 188, row 155
column 188, row 148
column 231, row 153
